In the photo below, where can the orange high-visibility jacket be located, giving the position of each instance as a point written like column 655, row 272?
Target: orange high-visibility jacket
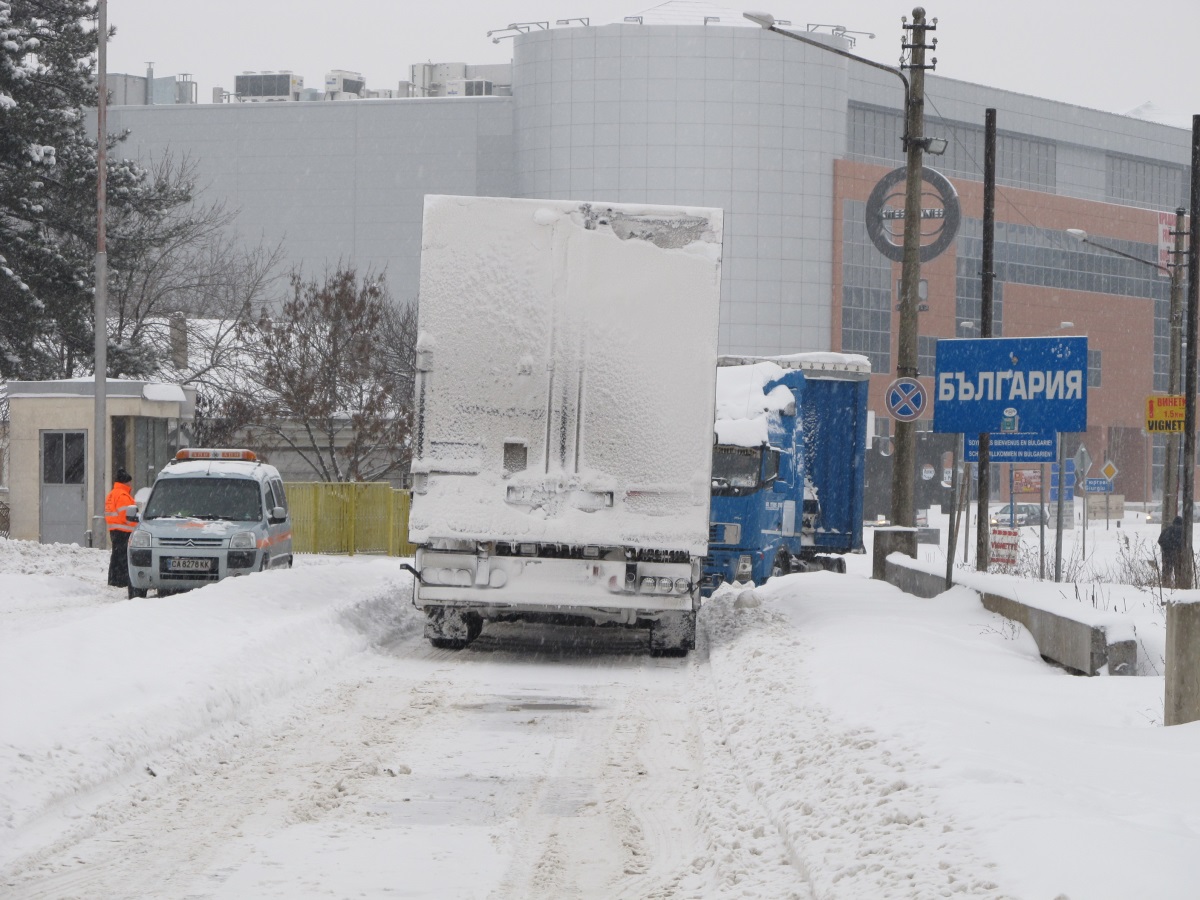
column 119, row 498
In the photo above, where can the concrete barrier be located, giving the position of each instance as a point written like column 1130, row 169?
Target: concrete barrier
column 891, row 539
column 1077, row 646
column 1182, row 702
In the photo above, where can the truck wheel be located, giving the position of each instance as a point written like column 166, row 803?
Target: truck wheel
column 782, row 564
column 451, row 629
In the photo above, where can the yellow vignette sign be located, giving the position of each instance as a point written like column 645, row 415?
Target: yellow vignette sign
column 1164, row 413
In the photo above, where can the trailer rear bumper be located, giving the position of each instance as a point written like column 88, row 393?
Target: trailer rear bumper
column 602, row 590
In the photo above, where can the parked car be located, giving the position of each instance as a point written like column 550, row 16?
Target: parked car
column 1026, row 514
column 211, row 513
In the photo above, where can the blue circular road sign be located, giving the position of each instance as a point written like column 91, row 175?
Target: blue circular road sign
column 906, row 399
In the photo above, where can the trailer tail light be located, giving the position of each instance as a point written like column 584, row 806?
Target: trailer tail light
column 682, row 585
column 454, row 577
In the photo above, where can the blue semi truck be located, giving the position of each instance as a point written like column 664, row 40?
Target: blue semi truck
column 788, row 466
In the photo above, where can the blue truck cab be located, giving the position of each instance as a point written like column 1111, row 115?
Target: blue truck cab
column 788, row 466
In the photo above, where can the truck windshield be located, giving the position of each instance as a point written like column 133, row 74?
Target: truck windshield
column 736, row 468
column 232, row 499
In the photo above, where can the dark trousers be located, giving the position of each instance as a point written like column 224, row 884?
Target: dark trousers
column 118, row 563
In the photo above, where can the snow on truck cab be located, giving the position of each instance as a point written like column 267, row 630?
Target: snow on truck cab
column 211, row 513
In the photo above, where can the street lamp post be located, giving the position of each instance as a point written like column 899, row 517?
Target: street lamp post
column 100, row 410
column 1174, row 386
column 910, row 273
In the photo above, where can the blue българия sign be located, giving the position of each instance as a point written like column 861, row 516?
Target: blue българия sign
column 1005, row 385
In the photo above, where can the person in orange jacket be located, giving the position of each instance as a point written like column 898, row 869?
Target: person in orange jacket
column 116, row 505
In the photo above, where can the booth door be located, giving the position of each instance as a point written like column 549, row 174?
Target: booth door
column 63, row 496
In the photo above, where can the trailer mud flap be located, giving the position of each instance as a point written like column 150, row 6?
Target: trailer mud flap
column 674, row 631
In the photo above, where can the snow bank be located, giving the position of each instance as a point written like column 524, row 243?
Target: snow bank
column 915, row 747
column 87, row 699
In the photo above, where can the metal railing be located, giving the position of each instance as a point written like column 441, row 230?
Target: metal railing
column 330, row 517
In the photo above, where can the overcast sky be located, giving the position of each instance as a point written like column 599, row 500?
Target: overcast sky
column 1069, row 50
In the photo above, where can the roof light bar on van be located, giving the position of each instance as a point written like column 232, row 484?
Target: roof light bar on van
column 220, row 453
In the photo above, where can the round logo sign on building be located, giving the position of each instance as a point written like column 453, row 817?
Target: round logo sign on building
column 940, row 214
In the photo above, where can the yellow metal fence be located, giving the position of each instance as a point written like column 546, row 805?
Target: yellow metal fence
column 349, row 518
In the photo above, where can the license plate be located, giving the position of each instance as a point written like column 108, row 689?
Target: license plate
column 189, row 564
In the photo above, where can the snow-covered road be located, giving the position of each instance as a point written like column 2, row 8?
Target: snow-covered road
column 542, row 762
column 291, row 734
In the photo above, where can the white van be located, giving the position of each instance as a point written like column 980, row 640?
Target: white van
column 211, row 513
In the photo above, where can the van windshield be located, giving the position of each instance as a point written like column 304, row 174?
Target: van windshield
column 231, row 499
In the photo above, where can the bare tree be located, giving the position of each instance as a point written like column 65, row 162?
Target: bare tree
column 187, row 260
column 331, row 379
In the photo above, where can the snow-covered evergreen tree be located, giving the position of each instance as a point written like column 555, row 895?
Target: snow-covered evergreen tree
column 48, row 189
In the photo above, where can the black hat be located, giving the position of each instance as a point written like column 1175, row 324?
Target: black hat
column 123, row 476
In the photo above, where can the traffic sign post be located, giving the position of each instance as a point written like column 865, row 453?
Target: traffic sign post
column 906, row 399
column 1069, row 480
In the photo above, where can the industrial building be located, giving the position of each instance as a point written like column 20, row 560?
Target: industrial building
column 790, row 140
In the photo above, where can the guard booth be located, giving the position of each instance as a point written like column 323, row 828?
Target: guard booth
column 51, row 448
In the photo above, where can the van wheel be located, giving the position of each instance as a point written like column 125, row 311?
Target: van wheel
column 266, row 563
column 137, row 593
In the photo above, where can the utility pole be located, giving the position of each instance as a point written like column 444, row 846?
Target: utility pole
column 99, row 423
column 986, row 323
column 910, row 277
column 1189, row 386
column 1171, row 468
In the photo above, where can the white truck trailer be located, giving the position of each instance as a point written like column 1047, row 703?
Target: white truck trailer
column 566, row 365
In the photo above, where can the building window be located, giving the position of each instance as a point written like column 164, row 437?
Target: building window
column 1093, row 368
column 866, row 291
column 1142, row 182
column 1021, row 161
column 968, row 284
column 926, row 354
column 1026, row 254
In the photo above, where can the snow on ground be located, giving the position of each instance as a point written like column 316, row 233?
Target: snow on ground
column 831, row 737
column 114, row 683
